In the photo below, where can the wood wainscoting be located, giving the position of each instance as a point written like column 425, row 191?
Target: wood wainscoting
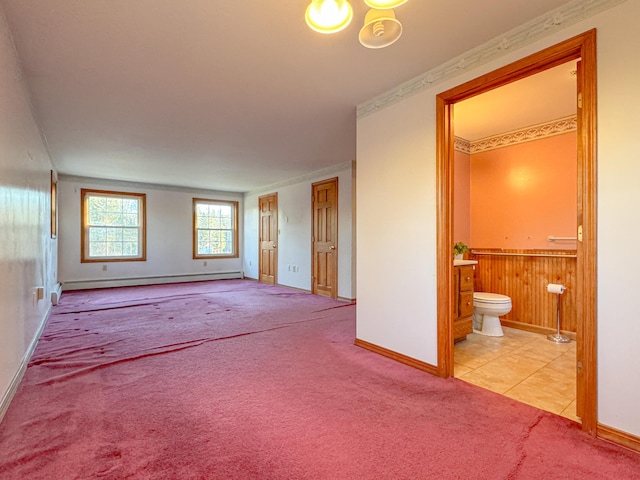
column 524, row 275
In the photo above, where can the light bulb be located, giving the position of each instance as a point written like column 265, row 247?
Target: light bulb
column 384, row 4
column 328, row 16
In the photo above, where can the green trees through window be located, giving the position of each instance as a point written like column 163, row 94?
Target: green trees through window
column 215, row 232
column 113, row 226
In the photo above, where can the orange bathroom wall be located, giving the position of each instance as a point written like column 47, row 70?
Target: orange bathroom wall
column 521, row 194
column 462, row 198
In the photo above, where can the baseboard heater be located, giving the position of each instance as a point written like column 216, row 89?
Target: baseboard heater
column 133, row 281
column 55, row 294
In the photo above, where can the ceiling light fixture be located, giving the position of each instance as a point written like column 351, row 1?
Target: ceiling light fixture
column 381, row 27
column 328, row 16
column 384, row 4
column 380, row 30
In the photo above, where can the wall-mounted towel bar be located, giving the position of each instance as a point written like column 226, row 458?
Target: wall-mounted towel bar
column 513, row 254
column 551, row 238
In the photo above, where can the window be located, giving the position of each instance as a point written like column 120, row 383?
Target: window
column 215, row 228
column 113, row 226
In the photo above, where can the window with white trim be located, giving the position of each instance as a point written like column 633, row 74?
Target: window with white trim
column 113, row 226
column 215, row 228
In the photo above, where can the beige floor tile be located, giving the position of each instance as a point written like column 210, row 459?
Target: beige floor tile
column 542, row 349
column 547, row 386
column 570, row 412
column 503, row 373
column 460, row 369
column 474, row 359
column 521, row 365
column 565, row 363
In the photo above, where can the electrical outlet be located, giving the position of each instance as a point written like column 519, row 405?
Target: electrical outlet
column 204, row 263
column 104, row 268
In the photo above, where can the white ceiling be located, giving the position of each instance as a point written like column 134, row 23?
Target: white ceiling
column 220, row 95
column 548, row 95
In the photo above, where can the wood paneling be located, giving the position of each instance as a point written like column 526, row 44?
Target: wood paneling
column 525, row 278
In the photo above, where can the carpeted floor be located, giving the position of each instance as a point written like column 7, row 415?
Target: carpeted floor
column 238, row 380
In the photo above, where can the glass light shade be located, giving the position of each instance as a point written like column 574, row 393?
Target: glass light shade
column 328, row 16
column 380, row 30
column 384, row 4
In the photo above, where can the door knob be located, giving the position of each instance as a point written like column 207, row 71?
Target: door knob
column 274, row 245
column 332, row 247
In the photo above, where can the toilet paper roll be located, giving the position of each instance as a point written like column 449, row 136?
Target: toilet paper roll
column 556, row 288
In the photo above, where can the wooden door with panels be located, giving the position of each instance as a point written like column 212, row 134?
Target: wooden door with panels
column 268, row 206
column 324, row 238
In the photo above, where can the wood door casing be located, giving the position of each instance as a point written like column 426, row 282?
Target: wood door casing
column 579, row 47
column 268, row 269
column 324, row 238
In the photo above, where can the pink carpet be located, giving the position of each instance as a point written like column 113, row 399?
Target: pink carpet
column 238, row 380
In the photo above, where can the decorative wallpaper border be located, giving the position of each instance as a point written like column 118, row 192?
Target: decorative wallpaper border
column 462, row 145
column 521, row 135
column 527, row 33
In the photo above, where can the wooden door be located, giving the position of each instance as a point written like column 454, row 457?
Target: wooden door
column 324, row 204
column 268, row 206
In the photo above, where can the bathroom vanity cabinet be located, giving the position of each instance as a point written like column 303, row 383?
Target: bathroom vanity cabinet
column 463, row 302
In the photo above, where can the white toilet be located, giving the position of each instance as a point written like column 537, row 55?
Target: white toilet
column 487, row 308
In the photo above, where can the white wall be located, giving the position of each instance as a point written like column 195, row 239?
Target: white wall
column 397, row 290
column 294, row 230
column 169, row 238
column 27, row 252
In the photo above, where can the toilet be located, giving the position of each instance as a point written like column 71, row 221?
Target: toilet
column 487, row 308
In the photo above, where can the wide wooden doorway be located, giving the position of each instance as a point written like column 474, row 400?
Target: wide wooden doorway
column 324, row 238
column 581, row 47
column 268, row 205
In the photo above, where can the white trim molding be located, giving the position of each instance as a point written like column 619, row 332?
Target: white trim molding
column 328, row 171
column 6, row 399
column 525, row 34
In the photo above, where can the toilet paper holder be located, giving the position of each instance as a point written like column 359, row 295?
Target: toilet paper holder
column 558, row 290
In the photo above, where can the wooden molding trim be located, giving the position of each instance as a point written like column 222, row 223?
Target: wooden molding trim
column 398, row 357
column 581, row 47
column 535, row 328
column 618, row 437
column 348, row 300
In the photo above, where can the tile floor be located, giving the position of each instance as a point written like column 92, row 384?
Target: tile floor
column 521, row 365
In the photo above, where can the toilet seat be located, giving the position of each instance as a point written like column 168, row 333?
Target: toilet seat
column 490, row 298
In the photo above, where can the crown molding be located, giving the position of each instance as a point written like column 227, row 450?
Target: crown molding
column 144, row 186
column 303, row 178
column 527, row 33
column 521, row 135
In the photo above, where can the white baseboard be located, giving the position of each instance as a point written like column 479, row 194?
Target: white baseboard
column 129, row 282
column 17, row 378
